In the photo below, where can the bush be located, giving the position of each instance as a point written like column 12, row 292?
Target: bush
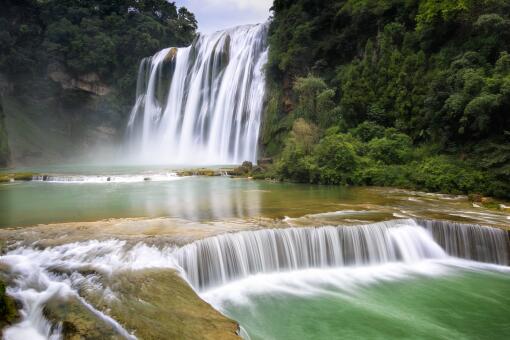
column 394, row 148
column 337, row 159
column 444, row 174
column 384, row 175
column 367, row 131
column 8, row 312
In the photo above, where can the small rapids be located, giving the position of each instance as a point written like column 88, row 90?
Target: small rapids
column 83, row 179
column 224, row 258
column 389, row 249
column 62, row 271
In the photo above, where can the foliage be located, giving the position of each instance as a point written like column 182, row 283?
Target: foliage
column 4, row 143
column 75, row 39
column 393, row 148
column 108, row 38
column 8, row 311
column 421, row 87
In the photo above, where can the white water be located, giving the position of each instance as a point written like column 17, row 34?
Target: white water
column 201, row 104
column 36, row 282
column 221, row 259
column 126, row 178
column 296, row 259
column 343, row 282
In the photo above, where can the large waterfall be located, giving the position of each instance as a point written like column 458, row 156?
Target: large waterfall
column 201, row 104
column 217, row 260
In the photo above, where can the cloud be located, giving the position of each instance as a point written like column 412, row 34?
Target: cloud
column 251, row 5
column 214, row 15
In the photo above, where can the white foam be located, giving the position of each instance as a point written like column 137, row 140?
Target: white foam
column 91, row 179
column 311, row 261
column 42, row 275
column 345, row 282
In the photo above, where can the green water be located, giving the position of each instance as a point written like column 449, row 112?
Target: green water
column 465, row 303
column 468, row 305
column 195, row 198
column 217, row 198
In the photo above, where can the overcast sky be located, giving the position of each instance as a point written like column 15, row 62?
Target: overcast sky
column 214, row 15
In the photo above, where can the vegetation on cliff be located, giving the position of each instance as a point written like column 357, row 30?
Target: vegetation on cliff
column 4, row 141
column 395, row 92
column 103, row 37
column 71, row 66
column 8, row 310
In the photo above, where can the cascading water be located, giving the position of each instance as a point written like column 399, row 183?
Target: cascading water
column 473, row 242
column 201, row 104
column 220, row 259
column 40, row 275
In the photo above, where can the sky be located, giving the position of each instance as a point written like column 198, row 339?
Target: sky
column 214, row 15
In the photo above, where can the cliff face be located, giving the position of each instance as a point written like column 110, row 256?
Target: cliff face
column 59, row 118
column 70, row 71
column 4, row 142
column 88, row 82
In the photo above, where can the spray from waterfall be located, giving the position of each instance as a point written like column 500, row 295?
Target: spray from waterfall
column 203, row 103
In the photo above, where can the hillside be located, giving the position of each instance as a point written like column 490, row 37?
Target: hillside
column 395, row 93
column 68, row 71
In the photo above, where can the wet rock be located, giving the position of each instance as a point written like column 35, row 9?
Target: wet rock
column 243, row 170
column 8, row 308
column 89, row 82
column 257, row 170
column 475, row 197
column 265, row 161
column 69, row 329
column 247, row 165
column 77, row 321
column 159, row 304
column 170, row 56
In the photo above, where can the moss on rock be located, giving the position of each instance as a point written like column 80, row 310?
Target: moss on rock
column 159, row 304
column 23, row 176
column 8, row 311
column 4, row 143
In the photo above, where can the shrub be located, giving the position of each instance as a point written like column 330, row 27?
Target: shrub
column 393, row 148
column 367, row 131
column 441, row 173
column 337, row 159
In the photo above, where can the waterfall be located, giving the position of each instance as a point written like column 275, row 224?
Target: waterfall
column 472, row 242
column 217, row 260
column 201, row 103
column 60, row 272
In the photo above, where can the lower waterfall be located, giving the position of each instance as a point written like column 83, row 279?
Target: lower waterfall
column 62, row 272
column 217, row 260
column 472, row 242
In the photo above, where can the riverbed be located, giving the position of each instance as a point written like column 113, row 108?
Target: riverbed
column 106, row 251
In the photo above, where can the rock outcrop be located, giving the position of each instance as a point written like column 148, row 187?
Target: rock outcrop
column 89, row 82
column 4, row 143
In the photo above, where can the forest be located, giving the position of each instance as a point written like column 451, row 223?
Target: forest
column 405, row 93
column 58, row 55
